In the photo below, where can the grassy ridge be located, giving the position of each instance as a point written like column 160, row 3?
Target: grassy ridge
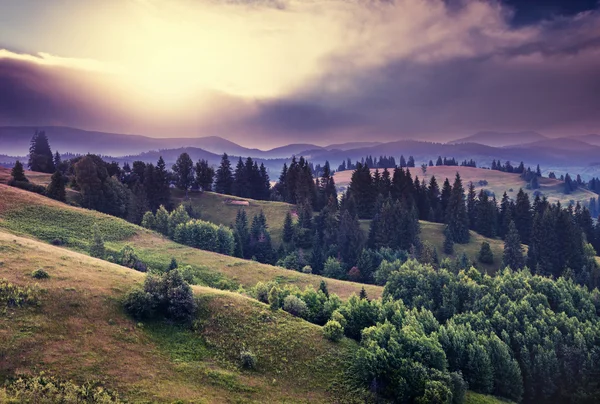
column 498, row 182
column 79, row 332
column 219, row 209
column 30, row 214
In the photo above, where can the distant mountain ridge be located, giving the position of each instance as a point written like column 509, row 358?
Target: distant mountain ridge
column 501, row 139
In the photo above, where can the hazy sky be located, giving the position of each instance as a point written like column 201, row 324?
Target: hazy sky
column 268, row 72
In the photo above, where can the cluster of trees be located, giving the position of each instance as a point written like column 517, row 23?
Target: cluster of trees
column 247, row 181
column 507, row 167
column 178, row 226
column 253, row 241
column 41, row 158
column 297, row 186
column 445, row 161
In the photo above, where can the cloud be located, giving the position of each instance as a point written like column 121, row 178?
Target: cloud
column 268, row 72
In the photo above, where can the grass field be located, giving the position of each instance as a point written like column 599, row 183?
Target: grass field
column 434, row 234
column 25, row 213
column 219, row 209
column 498, row 182
column 79, row 332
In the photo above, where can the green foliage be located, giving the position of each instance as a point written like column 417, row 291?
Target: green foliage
column 18, row 173
column 486, row 256
column 12, row 295
column 149, row 221
column 40, row 154
column 129, row 259
column 274, row 298
column 56, row 189
column 97, row 249
column 248, row 359
column 206, row 236
column 40, row 273
column 43, row 389
column 333, row 331
column 513, row 252
column 166, row 296
column 295, row 306
column 333, row 269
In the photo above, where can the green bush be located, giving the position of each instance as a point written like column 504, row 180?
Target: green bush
column 168, row 296
column 486, row 256
column 274, row 298
column 248, row 359
column 333, row 331
column 12, row 295
column 44, row 389
column 295, row 306
column 40, row 274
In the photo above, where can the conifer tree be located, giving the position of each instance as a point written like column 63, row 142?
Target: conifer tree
column 456, row 217
column 513, row 251
column 471, row 206
column 205, row 175
column 40, row 154
column 224, row 177
column 288, row 228
column 448, row 243
column 486, row 256
column 56, row 188
column 18, row 173
column 162, row 191
column 363, row 191
column 184, row 172
column 523, row 217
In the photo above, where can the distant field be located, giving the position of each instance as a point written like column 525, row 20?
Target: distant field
column 498, row 182
column 30, row 214
column 434, row 234
column 219, row 209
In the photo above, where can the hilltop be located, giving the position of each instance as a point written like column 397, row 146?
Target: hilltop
column 498, row 182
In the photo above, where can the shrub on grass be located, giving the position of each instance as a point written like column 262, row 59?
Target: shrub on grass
column 274, row 298
column 295, row 306
column 168, row 296
column 486, row 256
column 12, row 295
column 248, row 359
column 40, row 274
column 333, row 331
column 44, row 389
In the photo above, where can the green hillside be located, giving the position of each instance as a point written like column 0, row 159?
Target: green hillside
column 78, row 332
column 30, row 214
column 222, row 209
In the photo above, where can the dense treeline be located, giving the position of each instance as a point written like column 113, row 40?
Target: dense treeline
column 436, row 332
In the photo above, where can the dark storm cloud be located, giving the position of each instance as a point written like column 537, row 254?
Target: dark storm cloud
column 463, row 70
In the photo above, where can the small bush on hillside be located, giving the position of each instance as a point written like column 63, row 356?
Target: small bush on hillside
column 130, row 259
column 307, row 269
column 40, row 274
column 333, row 331
column 339, row 317
column 97, row 247
column 248, row 359
column 44, row 389
column 274, row 298
column 295, row 306
column 261, row 291
column 28, row 186
column 12, row 295
column 168, row 296
column 57, row 242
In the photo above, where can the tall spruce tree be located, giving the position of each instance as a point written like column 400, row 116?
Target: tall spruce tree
column 363, row 191
column 523, row 216
column 457, row 220
column 471, row 206
column 205, row 175
column 513, row 251
column 288, row 228
column 40, row 154
column 224, row 177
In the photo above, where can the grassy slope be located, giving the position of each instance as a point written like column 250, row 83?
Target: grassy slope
column 79, row 332
column 31, row 214
column 217, row 208
column 498, row 182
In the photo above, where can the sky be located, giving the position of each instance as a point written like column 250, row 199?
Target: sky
column 265, row 73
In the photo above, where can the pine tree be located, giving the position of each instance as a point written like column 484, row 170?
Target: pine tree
column 243, row 232
column 18, row 173
column 184, row 172
column 162, row 190
column 97, row 247
column 56, row 188
column 513, row 251
column 448, row 243
column 363, row 294
column 173, row 265
column 224, row 177
column 486, row 256
column 204, row 175
column 523, row 217
column 323, row 288
column 40, row 154
column 471, row 206
column 57, row 161
column 288, row 228
column 363, row 191
column 456, row 217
